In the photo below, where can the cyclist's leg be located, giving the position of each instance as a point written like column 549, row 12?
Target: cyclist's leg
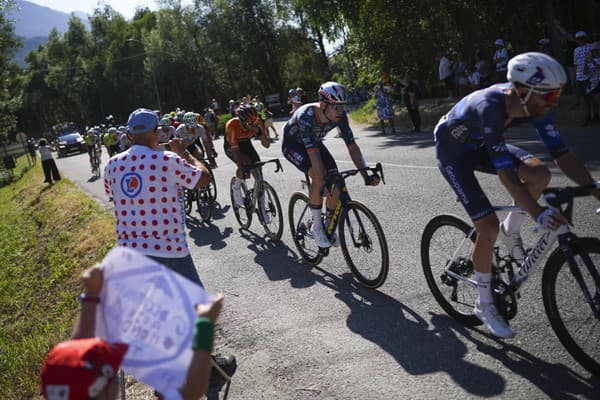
column 331, row 168
column 460, row 175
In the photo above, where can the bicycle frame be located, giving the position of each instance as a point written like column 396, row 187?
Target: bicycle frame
column 256, row 191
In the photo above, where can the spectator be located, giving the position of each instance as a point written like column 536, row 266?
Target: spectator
column 473, row 78
column 210, row 122
column 445, row 73
column 86, row 366
column 593, row 70
column 460, row 74
column 232, row 107
column 362, row 92
column 301, row 96
column 146, row 186
column 582, row 80
column 544, row 46
column 214, row 105
column 48, row 164
column 411, row 94
column 483, row 69
column 384, row 106
column 31, row 150
column 500, row 60
column 294, row 100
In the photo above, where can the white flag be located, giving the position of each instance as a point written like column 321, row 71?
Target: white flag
column 151, row 308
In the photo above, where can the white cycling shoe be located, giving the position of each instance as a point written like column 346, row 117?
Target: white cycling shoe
column 493, row 321
column 321, row 238
column 514, row 244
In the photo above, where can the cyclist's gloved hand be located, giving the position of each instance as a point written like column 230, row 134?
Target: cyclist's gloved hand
column 550, row 219
column 372, row 180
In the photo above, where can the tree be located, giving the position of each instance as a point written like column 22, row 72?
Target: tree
column 9, row 99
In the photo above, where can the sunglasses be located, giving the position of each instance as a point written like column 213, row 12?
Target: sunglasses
column 549, row 96
column 339, row 107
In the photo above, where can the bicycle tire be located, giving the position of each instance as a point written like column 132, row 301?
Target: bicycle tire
column 188, row 200
column 300, row 229
column 556, row 277
column 243, row 214
column 273, row 210
column 204, row 201
column 439, row 282
column 213, row 185
column 364, row 238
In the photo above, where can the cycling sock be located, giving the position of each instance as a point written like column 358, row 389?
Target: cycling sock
column 316, row 216
column 513, row 222
column 484, row 287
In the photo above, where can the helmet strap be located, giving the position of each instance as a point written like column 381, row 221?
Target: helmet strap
column 524, row 101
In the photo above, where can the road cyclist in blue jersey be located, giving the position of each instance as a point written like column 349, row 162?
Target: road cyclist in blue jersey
column 470, row 137
column 303, row 146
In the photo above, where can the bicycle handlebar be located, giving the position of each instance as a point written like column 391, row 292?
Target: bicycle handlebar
column 377, row 169
column 248, row 168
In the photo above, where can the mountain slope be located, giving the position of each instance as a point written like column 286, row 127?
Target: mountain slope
column 32, row 20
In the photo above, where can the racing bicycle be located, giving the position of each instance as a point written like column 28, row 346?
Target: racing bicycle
column 361, row 236
column 204, row 197
column 262, row 199
column 570, row 280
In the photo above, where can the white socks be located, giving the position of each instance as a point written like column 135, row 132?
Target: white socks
column 513, row 222
column 484, row 287
column 237, row 183
column 316, row 217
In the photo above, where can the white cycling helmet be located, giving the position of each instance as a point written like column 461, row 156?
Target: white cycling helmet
column 333, row 93
column 190, row 119
column 537, row 71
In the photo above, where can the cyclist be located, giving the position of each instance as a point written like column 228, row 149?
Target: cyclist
column 471, row 138
column 302, row 146
column 124, row 140
column 238, row 146
column 166, row 132
column 92, row 140
column 195, row 136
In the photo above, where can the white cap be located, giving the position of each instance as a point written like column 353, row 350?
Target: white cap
column 499, row 42
column 580, row 34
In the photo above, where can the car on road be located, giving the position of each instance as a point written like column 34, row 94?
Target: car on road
column 71, row 142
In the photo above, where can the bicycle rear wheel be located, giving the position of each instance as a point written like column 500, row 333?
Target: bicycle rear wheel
column 364, row 246
column 445, row 236
column 575, row 322
column 243, row 214
column 204, row 202
column 270, row 213
column 300, row 218
column 188, row 200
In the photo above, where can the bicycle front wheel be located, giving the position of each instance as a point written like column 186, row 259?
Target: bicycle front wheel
column 300, row 217
column 364, row 246
column 445, row 237
column 575, row 318
column 204, row 201
column 243, row 213
column 270, row 212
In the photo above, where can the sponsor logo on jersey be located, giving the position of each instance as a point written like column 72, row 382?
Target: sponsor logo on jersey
column 459, row 133
column 131, row 184
column 500, row 148
column 536, row 78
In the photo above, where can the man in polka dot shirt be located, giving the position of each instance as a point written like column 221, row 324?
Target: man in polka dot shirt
column 147, row 190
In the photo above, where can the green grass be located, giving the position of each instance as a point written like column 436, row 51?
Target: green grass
column 49, row 235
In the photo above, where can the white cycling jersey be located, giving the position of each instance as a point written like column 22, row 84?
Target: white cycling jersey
column 190, row 135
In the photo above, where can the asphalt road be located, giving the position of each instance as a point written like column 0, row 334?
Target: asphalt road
column 313, row 333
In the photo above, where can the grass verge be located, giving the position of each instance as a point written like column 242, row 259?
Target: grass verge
column 49, row 234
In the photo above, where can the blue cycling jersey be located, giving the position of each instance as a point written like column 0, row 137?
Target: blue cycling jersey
column 478, row 121
column 304, row 128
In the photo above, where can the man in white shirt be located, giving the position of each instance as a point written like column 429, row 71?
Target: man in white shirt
column 500, row 60
column 445, row 73
column 146, row 186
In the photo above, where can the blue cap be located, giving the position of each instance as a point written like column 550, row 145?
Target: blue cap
column 142, row 120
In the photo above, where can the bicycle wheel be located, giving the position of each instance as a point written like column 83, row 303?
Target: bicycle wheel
column 213, row 186
column 243, row 214
column 270, row 209
column 364, row 246
column 300, row 217
column 204, row 201
column 575, row 322
column 445, row 236
column 188, row 200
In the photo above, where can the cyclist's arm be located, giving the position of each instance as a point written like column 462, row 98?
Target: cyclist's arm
column 263, row 135
column 572, row 167
column 180, row 148
column 359, row 161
